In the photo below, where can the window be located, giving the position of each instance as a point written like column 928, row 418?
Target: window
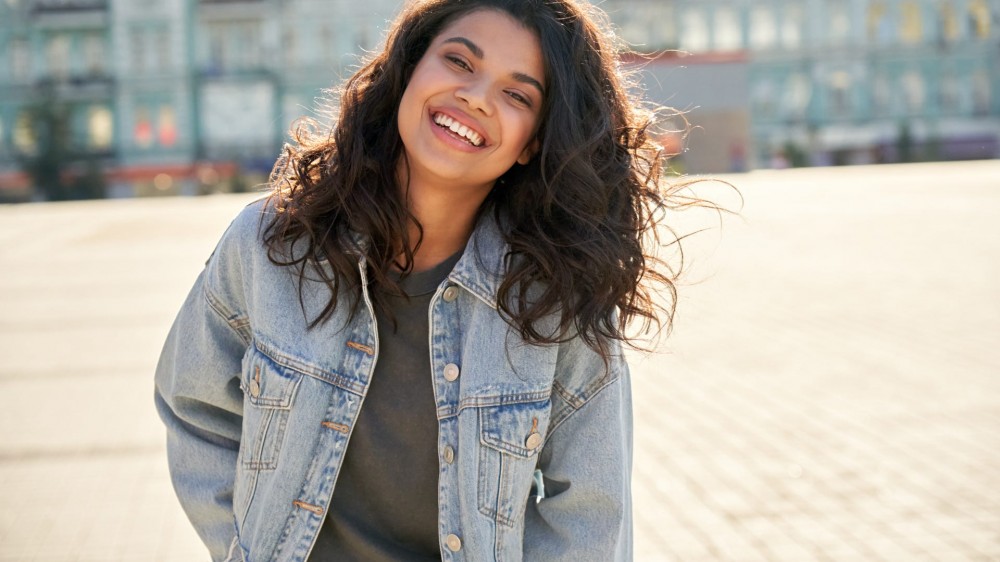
column 791, row 26
column 166, row 126
column 979, row 19
column 949, row 22
column 20, row 60
column 914, row 89
column 798, row 92
column 762, row 27
column 137, row 48
column 24, row 137
column 840, row 93
column 694, row 31
column 981, row 94
column 728, row 36
column 57, row 56
column 763, row 97
column 100, row 127
column 633, row 30
column 142, row 131
column 93, row 54
column 881, row 94
column 880, row 28
column 288, row 44
column 646, row 25
column 661, row 19
column 949, row 96
column 245, row 35
column 912, row 29
column 161, row 39
column 218, row 56
column 839, row 22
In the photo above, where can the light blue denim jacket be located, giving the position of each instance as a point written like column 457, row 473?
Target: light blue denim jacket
column 259, row 411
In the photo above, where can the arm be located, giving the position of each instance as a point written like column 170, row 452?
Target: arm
column 586, row 464
column 200, row 402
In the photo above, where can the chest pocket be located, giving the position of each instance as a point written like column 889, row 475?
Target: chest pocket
column 269, row 391
column 510, row 437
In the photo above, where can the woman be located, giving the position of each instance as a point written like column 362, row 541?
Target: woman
column 421, row 326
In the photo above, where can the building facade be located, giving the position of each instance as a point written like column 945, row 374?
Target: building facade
column 838, row 81
column 169, row 96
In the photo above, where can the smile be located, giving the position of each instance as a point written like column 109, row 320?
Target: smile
column 470, row 136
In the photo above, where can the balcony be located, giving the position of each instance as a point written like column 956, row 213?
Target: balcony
column 235, row 9
column 76, row 6
column 70, row 13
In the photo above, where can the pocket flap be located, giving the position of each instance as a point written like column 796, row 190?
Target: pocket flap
column 518, row 429
column 267, row 384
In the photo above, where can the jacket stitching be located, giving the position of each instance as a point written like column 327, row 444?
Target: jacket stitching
column 557, row 423
column 491, row 400
column 235, row 322
column 299, row 366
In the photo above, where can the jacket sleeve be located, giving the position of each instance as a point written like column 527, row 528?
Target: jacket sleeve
column 199, row 399
column 586, row 464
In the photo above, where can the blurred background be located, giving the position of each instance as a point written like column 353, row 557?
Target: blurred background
column 115, row 98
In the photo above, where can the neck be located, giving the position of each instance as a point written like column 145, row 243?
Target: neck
column 446, row 214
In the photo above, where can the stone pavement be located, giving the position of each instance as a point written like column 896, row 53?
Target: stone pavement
column 831, row 390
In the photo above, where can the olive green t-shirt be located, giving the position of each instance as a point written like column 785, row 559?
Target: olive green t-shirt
column 384, row 505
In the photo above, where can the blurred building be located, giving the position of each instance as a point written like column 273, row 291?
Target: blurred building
column 823, row 81
column 170, row 96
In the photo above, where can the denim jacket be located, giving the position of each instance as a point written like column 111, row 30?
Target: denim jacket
column 259, row 411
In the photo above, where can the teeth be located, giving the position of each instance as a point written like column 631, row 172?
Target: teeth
column 474, row 138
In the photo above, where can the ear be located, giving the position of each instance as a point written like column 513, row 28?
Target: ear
column 529, row 152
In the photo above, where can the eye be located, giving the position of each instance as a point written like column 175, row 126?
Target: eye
column 517, row 97
column 459, row 62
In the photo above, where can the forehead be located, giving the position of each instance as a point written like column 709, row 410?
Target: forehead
column 503, row 40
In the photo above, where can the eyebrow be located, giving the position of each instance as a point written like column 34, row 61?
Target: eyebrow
column 478, row 53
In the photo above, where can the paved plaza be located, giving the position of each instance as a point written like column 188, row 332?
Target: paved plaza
column 831, row 390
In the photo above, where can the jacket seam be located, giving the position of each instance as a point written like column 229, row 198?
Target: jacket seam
column 304, row 368
column 234, row 321
column 607, row 380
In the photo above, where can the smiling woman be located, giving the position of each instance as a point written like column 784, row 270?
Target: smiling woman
column 412, row 349
column 471, row 108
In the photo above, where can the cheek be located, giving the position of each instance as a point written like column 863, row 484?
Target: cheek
column 522, row 129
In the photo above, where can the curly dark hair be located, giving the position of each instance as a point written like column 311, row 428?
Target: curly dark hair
column 581, row 218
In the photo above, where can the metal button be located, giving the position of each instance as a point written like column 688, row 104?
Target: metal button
column 449, row 454
column 533, row 441
column 451, row 293
column 254, row 388
column 451, row 372
column 453, row 542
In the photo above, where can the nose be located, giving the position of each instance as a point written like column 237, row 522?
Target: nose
column 476, row 95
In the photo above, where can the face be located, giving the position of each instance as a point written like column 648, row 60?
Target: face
column 471, row 108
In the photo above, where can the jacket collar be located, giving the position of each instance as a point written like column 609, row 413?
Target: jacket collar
column 481, row 268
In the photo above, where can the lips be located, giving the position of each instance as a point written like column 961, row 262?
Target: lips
column 458, row 129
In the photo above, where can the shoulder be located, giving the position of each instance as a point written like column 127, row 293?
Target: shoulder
column 582, row 372
column 240, row 248
column 248, row 226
